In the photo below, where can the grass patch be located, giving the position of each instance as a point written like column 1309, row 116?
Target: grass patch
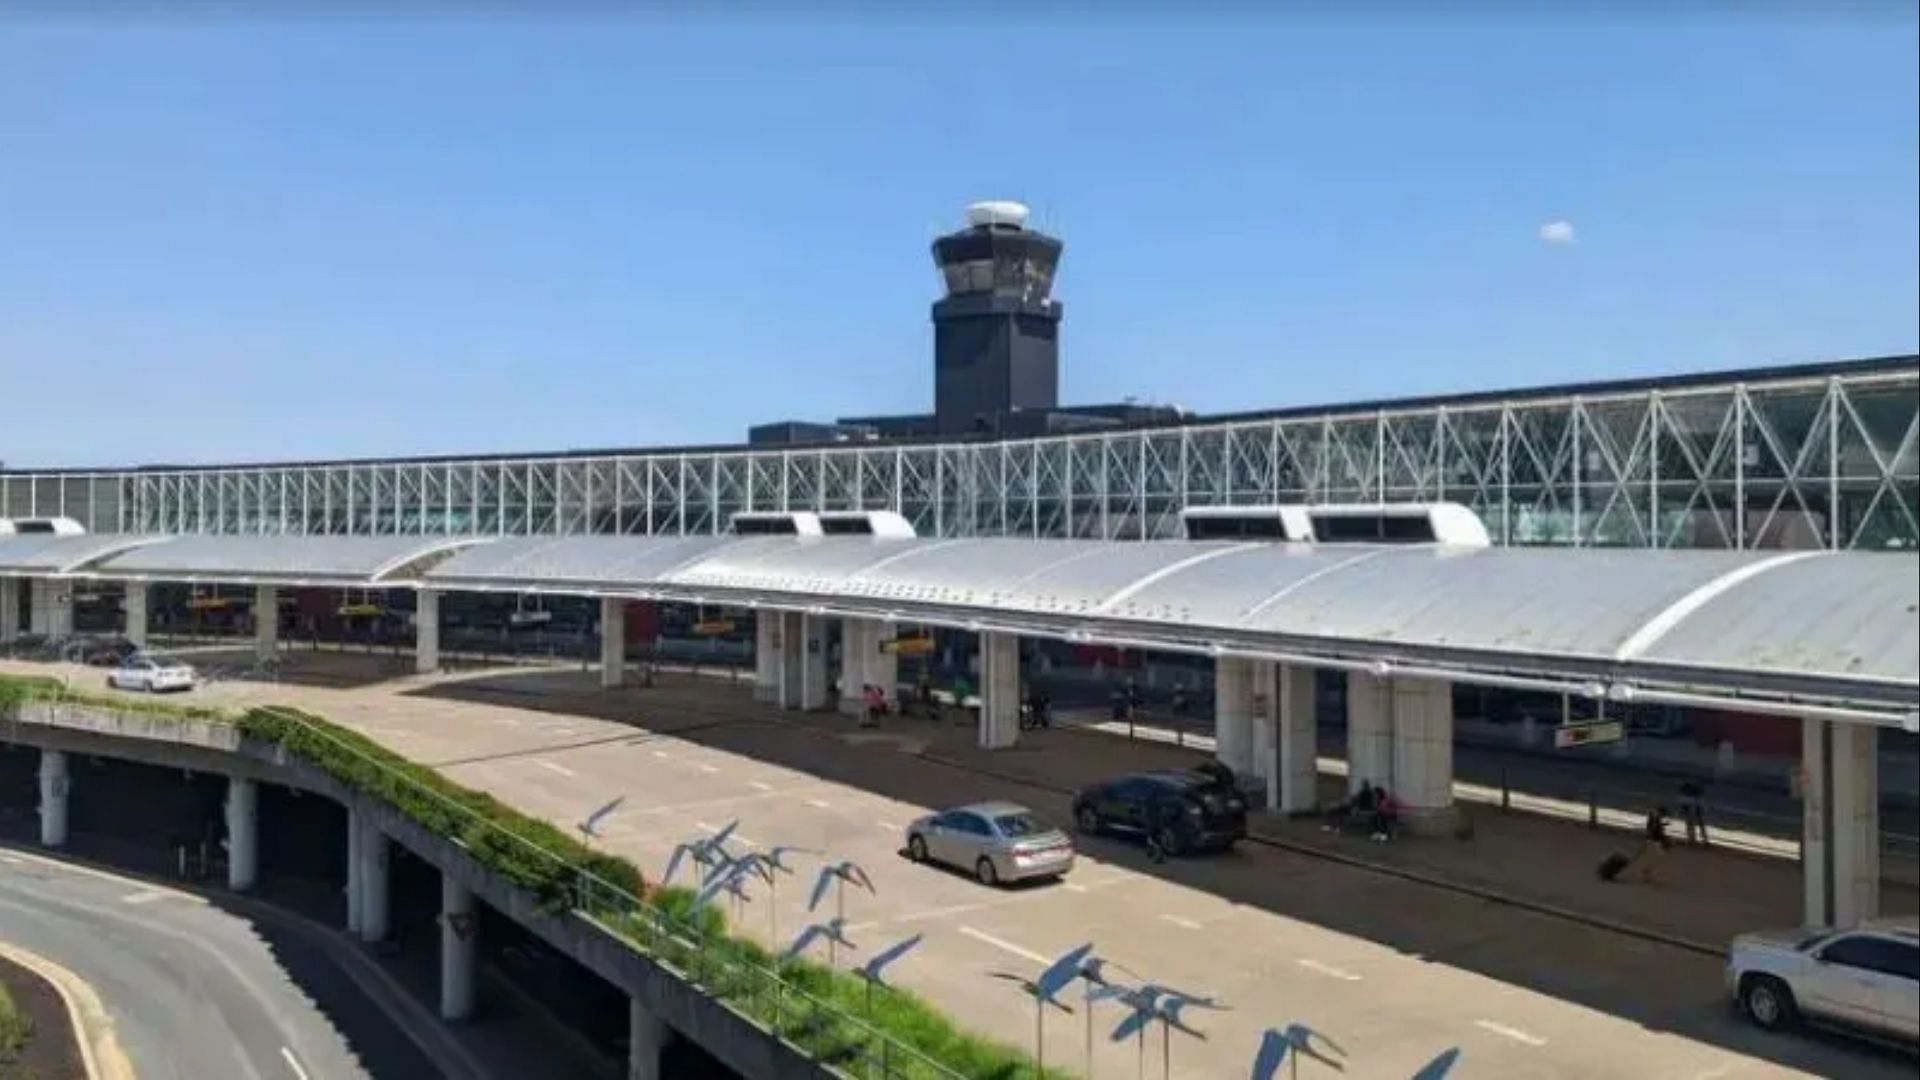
column 827, row 1012
column 15, row 1028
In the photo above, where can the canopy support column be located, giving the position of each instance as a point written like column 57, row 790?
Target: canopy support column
column 1840, row 826
column 135, row 599
column 766, row 656
column 1294, row 787
column 426, row 628
column 266, row 621
column 52, row 614
column 613, row 641
column 999, row 690
column 9, row 609
column 1233, row 705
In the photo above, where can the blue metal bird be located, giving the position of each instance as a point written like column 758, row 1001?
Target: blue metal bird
column 1439, row 1067
column 841, row 873
column 834, row 931
column 706, row 851
column 872, row 969
column 591, row 826
column 1299, row 1040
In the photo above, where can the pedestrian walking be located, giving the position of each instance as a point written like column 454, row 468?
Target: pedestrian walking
column 1693, row 812
column 1653, row 847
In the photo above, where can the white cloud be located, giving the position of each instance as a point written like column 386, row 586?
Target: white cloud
column 1557, row 232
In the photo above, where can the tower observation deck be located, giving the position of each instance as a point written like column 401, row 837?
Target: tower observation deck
column 997, row 329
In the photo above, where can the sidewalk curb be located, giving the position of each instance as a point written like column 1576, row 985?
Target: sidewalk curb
column 101, row 1056
column 1481, row 892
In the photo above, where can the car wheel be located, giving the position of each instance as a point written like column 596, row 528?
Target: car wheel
column 985, row 872
column 1087, row 820
column 1169, row 840
column 916, row 848
column 1768, row 1002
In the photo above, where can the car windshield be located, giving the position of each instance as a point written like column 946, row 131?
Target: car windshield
column 1019, row 825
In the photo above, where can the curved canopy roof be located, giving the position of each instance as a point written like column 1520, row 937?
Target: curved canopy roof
column 31, row 554
column 320, row 560
column 1833, row 625
column 1754, row 618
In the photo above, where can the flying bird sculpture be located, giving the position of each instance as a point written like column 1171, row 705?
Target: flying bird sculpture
column 873, row 969
column 833, row 931
column 1439, row 1067
column 838, row 876
column 1295, row 1041
column 1044, row 989
column 590, row 827
column 706, row 851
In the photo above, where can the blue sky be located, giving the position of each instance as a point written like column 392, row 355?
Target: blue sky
column 326, row 237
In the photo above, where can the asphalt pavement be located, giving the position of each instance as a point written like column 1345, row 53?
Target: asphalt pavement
column 197, row 992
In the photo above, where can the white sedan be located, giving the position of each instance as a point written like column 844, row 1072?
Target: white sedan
column 1867, row 977
column 152, row 674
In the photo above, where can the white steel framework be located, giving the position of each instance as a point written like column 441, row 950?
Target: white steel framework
column 1792, row 461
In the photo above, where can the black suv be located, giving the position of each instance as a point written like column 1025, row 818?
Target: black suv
column 1176, row 810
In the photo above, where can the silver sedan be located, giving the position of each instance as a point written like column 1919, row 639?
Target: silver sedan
column 996, row 841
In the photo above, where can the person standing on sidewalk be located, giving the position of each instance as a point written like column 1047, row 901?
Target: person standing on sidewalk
column 1693, row 812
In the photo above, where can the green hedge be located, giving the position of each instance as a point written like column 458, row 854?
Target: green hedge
column 698, row 945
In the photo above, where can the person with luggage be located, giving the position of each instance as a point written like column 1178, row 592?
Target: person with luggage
column 1645, row 862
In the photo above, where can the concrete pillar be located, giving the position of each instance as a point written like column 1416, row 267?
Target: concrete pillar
column 1422, row 775
column 243, row 833
column 613, row 641
column 1840, row 841
column 766, row 656
column 1369, row 731
column 1233, row 707
column 135, row 600
column 1295, row 786
column 813, row 662
column 355, row 868
column 376, row 906
column 793, row 647
column 426, row 626
column 53, row 798
column 853, row 663
column 999, row 690
column 883, row 668
column 459, row 947
column 646, row 1036
column 52, row 614
column 9, row 609
column 266, row 621
column 1266, row 704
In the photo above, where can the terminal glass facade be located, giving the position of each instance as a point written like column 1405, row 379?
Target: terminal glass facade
column 1786, row 462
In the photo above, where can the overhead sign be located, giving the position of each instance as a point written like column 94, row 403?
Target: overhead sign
column 1588, row 734
column 713, row 627
column 208, row 603
column 350, row 610
column 908, row 646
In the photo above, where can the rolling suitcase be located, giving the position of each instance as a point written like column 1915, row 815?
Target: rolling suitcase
column 1611, row 866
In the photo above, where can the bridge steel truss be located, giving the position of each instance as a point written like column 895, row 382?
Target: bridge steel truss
column 1829, row 461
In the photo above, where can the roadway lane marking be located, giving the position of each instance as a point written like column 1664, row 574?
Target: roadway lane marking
column 661, row 754
column 1329, row 970
column 818, row 805
column 552, row 767
column 705, row 768
column 11, row 859
column 1005, row 946
column 1512, row 1033
column 1071, row 887
column 293, row 1063
column 888, row 826
column 1184, row 924
column 144, row 896
column 760, row 785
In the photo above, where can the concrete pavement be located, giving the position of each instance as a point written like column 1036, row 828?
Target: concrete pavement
column 1394, row 969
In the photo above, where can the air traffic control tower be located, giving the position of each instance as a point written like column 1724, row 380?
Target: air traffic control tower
column 996, row 333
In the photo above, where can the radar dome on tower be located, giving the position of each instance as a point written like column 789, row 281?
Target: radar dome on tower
column 997, row 213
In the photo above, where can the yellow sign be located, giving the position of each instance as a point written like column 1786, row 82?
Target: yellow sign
column 350, row 610
column 208, row 603
column 713, row 627
column 908, row 646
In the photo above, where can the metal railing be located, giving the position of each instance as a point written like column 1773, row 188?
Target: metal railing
column 726, row 969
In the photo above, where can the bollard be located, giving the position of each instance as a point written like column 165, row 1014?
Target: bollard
column 1506, row 793
column 1593, row 808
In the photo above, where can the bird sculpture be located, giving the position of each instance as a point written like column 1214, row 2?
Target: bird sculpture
column 1044, row 989
column 1295, row 1041
column 873, row 969
column 833, row 931
column 838, row 875
column 590, row 827
column 706, row 851
column 1439, row 1067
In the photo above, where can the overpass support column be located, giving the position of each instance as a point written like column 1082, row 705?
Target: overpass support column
column 882, row 668
column 1422, row 773
column 9, row 609
column 853, row 663
column 459, row 931
column 355, row 886
column 52, row 608
column 613, row 641
column 814, row 677
column 1840, row 829
column 374, row 852
column 53, row 798
column 426, row 628
column 1369, row 731
column 999, row 690
column 266, row 621
column 766, row 655
column 646, row 1036
column 243, row 833
column 1294, row 785
column 135, row 599
column 1233, row 708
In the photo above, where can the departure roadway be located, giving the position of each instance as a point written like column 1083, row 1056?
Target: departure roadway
column 1393, row 969
column 193, row 990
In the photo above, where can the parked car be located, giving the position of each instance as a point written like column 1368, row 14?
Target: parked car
column 153, row 674
column 1176, row 810
column 996, row 841
column 1866, row 978
column 104, row 652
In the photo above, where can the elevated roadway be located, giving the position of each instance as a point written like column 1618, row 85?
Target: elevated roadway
column 1395, row 969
